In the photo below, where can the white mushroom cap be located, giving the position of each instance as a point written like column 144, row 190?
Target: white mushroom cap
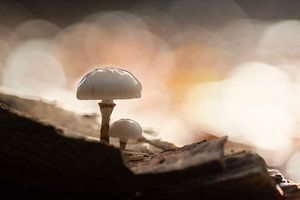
column 125, row 129
column 108, row 84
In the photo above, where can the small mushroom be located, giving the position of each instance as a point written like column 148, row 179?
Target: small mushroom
column 108, row 84
column 125, row 129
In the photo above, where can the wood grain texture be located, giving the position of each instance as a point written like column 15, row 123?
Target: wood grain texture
column 37, row 161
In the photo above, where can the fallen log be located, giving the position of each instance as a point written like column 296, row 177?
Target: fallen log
column 37, row 161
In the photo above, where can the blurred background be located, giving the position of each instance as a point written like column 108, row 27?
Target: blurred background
column 209, row 67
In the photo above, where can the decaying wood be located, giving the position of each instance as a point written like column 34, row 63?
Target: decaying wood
column 50, row 113
column 182, row 158
column 290, row 189
column 74, row 125
column 36, row 160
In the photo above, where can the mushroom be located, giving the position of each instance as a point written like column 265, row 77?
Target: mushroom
column 125, row 129
column 108, row 84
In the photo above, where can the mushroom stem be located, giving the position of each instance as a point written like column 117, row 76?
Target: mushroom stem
column 106, row 108
column 123, row 143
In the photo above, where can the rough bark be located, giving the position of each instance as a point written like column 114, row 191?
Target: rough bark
column 37, row 161
column 81, row 126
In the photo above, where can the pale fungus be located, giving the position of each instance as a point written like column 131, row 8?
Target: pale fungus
column 125, row 129
column 108, row 84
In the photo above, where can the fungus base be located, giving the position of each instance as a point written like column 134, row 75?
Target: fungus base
column 123, row 143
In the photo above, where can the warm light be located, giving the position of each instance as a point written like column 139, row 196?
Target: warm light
column 232, row 76
column 293, row 167
column 251, row 106
column 33, row 70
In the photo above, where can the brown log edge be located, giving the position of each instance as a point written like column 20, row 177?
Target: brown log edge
column 38, row 162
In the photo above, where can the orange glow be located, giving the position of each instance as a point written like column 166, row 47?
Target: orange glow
column 239, row 77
